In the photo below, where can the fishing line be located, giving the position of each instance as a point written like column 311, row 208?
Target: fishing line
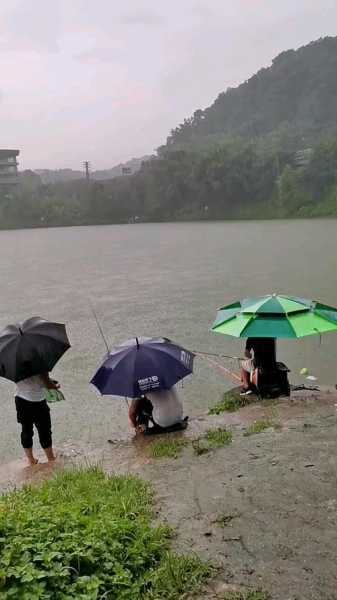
column 199, row 352
column 207, row 356
column 221, row 368
column 100, row 329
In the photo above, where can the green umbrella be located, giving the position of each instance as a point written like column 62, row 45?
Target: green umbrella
column 275, row 316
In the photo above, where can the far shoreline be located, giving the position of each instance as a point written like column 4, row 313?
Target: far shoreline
column 172, row 222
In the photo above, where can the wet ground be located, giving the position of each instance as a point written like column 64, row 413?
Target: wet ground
column 263, row 510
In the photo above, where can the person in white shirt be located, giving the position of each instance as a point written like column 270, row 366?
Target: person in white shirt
column 167, row 411
column 32, row 409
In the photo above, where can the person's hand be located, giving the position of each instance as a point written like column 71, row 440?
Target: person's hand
column 140, row 428
column 54, row 385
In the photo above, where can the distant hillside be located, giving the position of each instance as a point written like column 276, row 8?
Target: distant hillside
column 59, row 175
column 298, row 92
column 127, row 168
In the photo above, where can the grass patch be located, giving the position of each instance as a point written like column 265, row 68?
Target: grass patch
column 260, row 426
column 213, row 438
column 230, row 403
column 218, row 437
column 250, row 595
column 167, row 448
column 87, row 536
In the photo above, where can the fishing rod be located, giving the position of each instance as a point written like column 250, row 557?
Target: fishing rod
column 99, row 327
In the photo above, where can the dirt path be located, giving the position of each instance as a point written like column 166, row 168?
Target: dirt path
column 263, row 509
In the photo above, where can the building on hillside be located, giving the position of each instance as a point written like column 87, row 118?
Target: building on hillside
column 9, row 176
column 303, row 157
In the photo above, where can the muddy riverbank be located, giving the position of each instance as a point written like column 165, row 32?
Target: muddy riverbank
column 262, row 509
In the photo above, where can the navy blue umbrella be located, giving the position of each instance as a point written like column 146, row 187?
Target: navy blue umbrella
column 142, row 365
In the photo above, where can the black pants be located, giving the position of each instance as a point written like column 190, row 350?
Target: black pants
column 144, row 412
column 30, row 414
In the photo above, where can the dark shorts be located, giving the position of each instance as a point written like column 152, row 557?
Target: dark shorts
column 30, row 414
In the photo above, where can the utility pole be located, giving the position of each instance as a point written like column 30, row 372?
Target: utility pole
column 86, row 166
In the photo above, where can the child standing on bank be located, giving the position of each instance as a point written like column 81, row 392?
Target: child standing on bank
column 32, row 409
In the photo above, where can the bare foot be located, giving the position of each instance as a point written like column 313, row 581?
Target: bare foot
column 49, row 452
column 30, row 456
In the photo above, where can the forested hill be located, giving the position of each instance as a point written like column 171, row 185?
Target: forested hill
column 298, row 91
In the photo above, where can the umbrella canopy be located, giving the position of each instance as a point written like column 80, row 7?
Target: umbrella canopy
column 275, row 316
column 142, row 365
column 31, row 348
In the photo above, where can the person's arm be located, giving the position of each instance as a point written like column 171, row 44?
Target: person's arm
column 133, row 410
column 49, row 383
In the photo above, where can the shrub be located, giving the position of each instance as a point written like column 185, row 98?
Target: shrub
column 84, row 535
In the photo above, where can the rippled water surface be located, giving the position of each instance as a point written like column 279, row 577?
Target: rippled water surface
column 165, row 279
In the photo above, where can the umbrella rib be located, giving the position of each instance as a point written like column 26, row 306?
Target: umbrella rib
column 290, row 325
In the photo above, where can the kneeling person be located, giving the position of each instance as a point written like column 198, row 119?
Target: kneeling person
column 167, row 412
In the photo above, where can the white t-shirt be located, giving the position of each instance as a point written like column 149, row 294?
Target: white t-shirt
column 167, row 407
column 32, row 389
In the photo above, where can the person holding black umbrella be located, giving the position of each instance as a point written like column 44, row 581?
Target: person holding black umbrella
column 28, row 352
column 32, row 409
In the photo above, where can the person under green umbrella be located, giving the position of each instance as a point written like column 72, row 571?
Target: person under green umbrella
column 266, row 318
column 259, row 353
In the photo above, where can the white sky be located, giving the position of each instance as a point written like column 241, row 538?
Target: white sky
column 104, row 81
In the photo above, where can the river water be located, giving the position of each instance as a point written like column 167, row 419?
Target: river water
column 157, row 279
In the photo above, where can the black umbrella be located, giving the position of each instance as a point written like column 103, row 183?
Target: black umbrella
column 31, row 348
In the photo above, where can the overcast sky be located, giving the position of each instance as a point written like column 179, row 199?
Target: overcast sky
column 104, row 81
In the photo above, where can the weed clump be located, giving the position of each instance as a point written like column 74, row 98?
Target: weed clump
column 230, row 403
column 213, row 438
column 260, row 426
column 167, row 448
column 218, row 437
column 85, row 535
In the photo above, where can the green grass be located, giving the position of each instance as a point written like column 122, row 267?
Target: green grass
column 213, row 438
column 167, row 448
column 250, row 595
column 260, row 426
column 218, row 437
column 87, row 536
column 230, row 403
